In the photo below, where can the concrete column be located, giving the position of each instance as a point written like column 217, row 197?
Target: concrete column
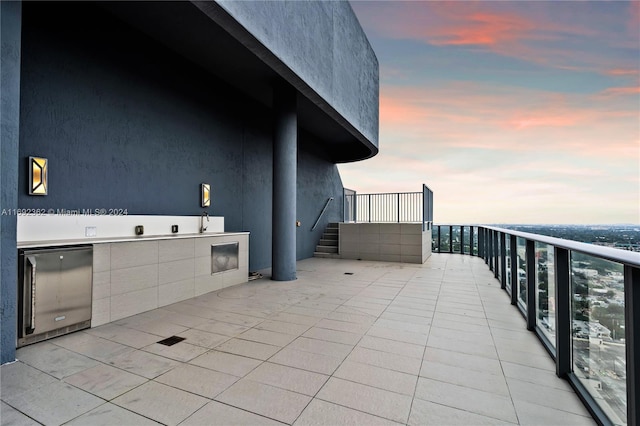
column 285, row 149
column 11, row 28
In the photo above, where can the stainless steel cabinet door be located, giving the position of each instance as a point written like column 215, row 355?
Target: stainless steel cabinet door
column 63, row 282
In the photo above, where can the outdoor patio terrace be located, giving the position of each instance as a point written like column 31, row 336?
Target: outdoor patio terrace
column 348, row 342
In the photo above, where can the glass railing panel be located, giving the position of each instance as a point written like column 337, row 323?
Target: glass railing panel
column 545, row 291
column 444, row 239
column 456, row 242
column 598, row 322
column 507, row 250
column 521, row 250
column 434, row 239
column 466, row 240
column 475, row 241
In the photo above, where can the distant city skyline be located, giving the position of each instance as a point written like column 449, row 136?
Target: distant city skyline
column 511, row 112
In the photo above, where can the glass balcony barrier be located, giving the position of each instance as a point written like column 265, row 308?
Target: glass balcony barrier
column 581, row 300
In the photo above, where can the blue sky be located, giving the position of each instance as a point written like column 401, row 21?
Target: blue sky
column 512, row 112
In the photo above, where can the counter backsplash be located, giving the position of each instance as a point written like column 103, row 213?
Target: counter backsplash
column 52, row 227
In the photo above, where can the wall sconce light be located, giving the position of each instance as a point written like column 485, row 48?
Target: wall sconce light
column 38, row 182
column 205, row 195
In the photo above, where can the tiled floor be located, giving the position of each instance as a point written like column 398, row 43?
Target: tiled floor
column 349, row 342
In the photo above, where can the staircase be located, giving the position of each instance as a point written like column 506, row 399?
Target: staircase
column 328, row 245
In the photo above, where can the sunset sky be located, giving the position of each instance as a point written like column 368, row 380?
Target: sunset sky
column 510, row 111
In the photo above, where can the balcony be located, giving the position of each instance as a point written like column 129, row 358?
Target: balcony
column 580, row 300
column 349, row 342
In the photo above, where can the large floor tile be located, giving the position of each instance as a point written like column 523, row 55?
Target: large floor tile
column 398, row 335
column 55, row 403
column 227, row 415
column 377, row 377
column 143, row 364
column 265, row 400
column 320, row 413
column 203, row 338
column 462, row 360
column 92, row 346
column 283, row 327
column 333, row 335
column 338, row 350
column 323, row 364
column 267, row 336
column 487, row 350
column 386, row 360
column 289, row 378
column 54, row 360
column 12, row 417
column 391, row 346
column 492, row 383
column 110, row 415
column 198, row 380
column 248, row 348
column 545, row 396
column 181, row 351
column 382, row 403
column 534, row 415
column 126, row 336
column 221, row 327
column 105, row 381
column 18, row 377
column 161, row 403
column 234, row 365
column 467, row 399
column 425, row 413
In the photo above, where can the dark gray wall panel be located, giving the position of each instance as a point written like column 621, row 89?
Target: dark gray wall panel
column 324, row 44
column 10, row 20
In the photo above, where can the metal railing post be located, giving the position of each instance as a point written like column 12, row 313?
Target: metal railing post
column 461, row 239
column 450, row 238
column 562, row 275
column 632, row 341
column 531, row 284
column 503, row 261
column 496, row 253
column 515, row 274
column 439, row 251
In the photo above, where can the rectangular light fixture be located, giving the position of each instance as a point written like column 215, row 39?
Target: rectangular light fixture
column 38, row 182
column 205, row 195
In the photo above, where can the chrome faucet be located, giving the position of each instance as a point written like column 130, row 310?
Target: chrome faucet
column 202, row 216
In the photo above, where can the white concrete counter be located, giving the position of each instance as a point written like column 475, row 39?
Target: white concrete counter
column 136, row 273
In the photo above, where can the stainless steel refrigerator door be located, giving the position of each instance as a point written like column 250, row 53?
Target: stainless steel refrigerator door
column 61, row 295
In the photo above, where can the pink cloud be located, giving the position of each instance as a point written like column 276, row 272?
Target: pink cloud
column 534, row 32
column 618, row 91
column 623, row 71
column 482, row 28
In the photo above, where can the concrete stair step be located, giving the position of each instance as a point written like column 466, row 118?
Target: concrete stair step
column 325, row 242
column 327, row 255
column 326, row 236
column 327, row 249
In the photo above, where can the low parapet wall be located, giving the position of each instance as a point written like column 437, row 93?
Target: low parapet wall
column 388, row 242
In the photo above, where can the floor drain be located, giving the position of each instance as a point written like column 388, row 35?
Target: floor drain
column 170, row 341
column 348, row 273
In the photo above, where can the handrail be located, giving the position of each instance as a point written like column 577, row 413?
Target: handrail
column 329, row 200
column 608, row 253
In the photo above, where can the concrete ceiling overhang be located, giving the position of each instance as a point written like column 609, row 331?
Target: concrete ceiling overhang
column 207, row 35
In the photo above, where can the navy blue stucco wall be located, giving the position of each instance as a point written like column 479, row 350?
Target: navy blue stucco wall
column 323, row 43
column 127, row 123
column 10, row 114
